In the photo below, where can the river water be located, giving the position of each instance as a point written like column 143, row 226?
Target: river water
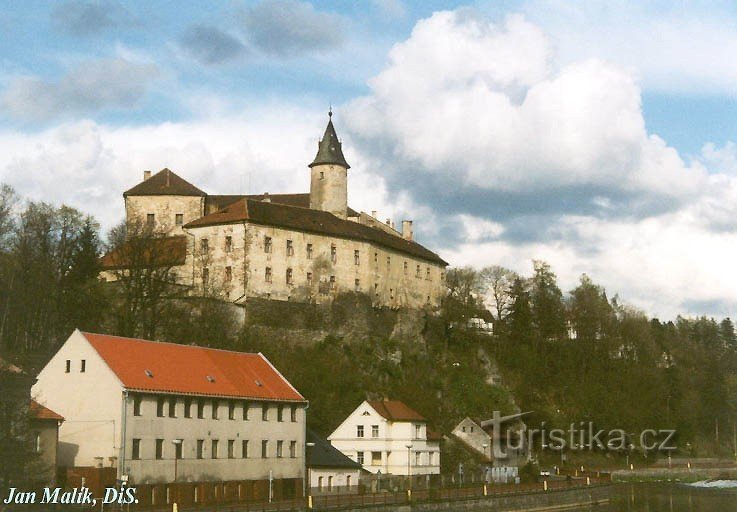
column 705, row 497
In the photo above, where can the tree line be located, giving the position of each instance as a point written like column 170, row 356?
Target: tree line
column 581, row 356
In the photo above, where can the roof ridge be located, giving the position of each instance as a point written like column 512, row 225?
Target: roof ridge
column 171, row 343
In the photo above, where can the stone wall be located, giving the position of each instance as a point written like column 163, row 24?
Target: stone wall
column 279, row 264
column 164, row 210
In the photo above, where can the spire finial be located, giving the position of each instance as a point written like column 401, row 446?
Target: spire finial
column 330, row 110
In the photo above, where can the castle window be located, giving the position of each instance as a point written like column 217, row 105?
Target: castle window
column 376, row 289
column 357, row 285
column 309, row 278
column 214, row 449
column 205, row 275
column 417, row 274
column 357, row 257
column 322, row 175
column 289, row 276
column 228, row 244
column 427, row 273
column 333, row 253
column 309, row 251
column 388, row 261
column 442, row 276
column 332, row 283
column 69, row 366
column 179, row 219
column 150, row 220
column 293, row 449
column 391, row 293
column 376, row 257
column 267, row 274
column 279, row 449
column 204, row 245
column 228, row 274
column 267, row 244
column 405, row 267
column 290, row 248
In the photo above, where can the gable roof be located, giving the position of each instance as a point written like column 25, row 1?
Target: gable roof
column 325, row 455
column 39, row 412
column 164, row 183
column 394, row 410
column 150, row 366
column 314, row 221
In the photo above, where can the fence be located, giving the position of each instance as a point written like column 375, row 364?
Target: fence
column 348, row 501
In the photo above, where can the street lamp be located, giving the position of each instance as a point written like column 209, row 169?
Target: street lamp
column 308, row 488
column 409, row 463
column 177, row 449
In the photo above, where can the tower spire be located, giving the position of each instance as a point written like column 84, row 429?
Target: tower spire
column 329, row 150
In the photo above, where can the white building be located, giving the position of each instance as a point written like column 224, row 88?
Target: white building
column 329, row 470
column 162, row 412
column 388, row 436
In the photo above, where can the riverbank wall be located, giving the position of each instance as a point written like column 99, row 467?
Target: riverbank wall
column 542, row 501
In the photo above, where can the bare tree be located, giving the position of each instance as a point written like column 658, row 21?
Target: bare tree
column 141, row 263
column 496, row 283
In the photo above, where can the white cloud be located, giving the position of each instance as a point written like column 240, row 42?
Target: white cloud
column 90, row 86
column 676, row 47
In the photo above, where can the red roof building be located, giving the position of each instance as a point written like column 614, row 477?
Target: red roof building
column 137, row 405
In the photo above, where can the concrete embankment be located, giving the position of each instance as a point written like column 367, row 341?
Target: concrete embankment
column 550, row 501
column 675, row 474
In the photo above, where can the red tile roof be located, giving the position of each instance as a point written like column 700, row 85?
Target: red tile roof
column 218, row 202
column 164, row 183
column 40, row 412
column 394, row 410
column 188, row 369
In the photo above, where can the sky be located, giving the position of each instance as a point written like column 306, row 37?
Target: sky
column 599, row 136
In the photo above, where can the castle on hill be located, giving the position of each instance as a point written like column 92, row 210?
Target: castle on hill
column 305, row 247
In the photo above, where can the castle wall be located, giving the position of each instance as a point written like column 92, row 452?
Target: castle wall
column 336, row 265
column 165, row 210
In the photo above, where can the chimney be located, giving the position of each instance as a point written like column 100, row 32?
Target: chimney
column 407, row 230
column 389, row 222
column 267, row 198
column 373, row 213
column 146, row 175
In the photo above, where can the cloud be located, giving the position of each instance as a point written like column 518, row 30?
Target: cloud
column 209, row 45
column 91, row 86
column 84, row 18
column 477, row 118
column 676, row 47
column 287, row 28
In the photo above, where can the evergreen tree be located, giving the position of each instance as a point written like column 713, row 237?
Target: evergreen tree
column 547, row 303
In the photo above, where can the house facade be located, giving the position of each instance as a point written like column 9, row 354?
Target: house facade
column 160, row 413
column 390, row 437
column 305, row 247
column 44, row 426
column 329, row 470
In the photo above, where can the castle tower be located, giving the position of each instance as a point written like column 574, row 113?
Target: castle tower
column 329, row 180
